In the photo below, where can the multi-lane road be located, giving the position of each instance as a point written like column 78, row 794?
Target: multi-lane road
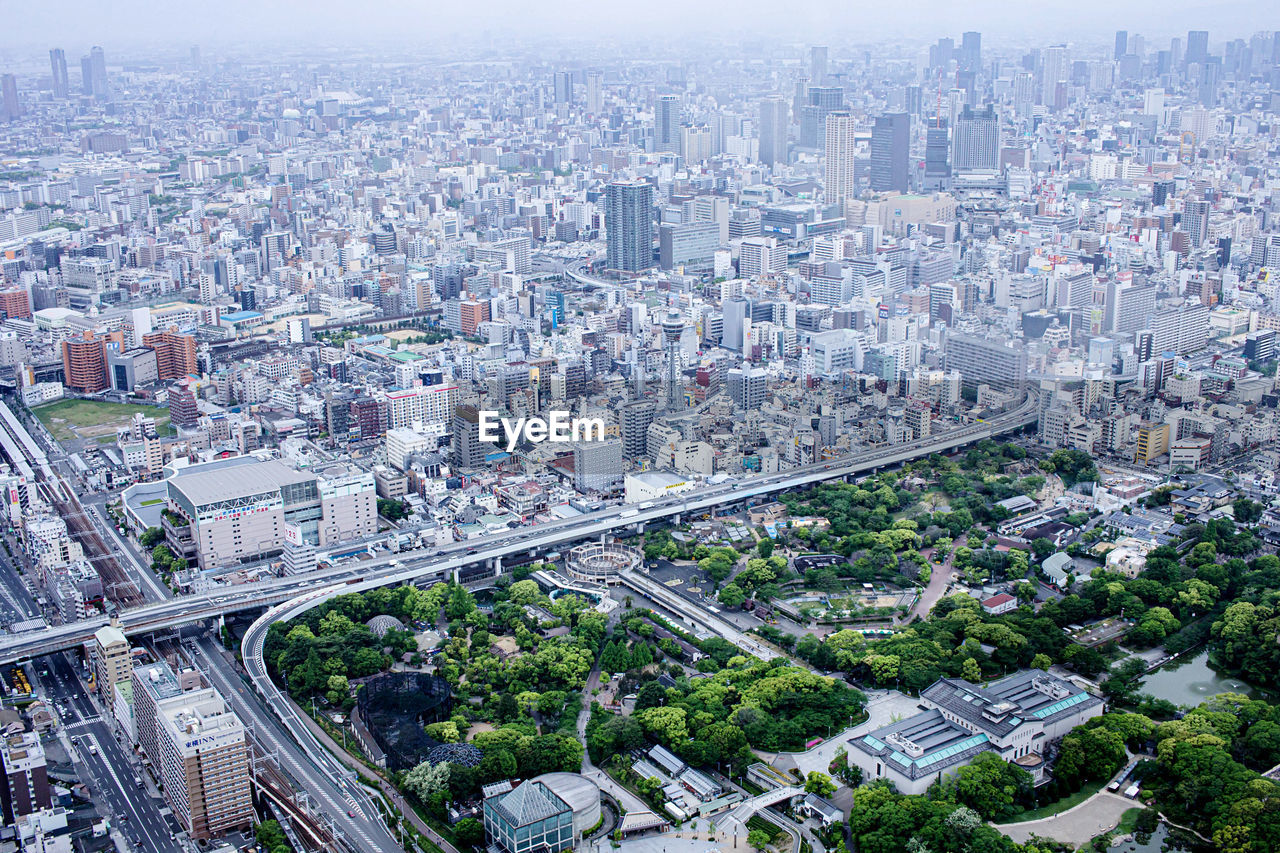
column 108, row 767
column 110, row 771
column 332, row 788
column 423, row 565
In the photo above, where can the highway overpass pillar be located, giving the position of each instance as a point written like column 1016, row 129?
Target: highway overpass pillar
column 497, row 566
column 457, row 573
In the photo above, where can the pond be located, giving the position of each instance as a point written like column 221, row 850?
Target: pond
column 1156, row 842
column 1190, row 681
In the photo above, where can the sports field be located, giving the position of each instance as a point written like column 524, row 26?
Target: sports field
column 68, row 420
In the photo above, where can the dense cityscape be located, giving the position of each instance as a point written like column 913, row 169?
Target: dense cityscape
column 818, row 445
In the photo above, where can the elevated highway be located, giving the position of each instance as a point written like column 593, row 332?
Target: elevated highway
column 440, row 564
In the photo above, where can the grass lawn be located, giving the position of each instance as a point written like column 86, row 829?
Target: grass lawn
column 766, row 826
column 68, row 420
column 1061, row 805
column 1128, row 822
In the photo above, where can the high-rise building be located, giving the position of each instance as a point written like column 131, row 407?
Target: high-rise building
column 153, row 683
column 1122, row 44
column 976, row 141
column 26, row 778
column 773, row 131
column 84, row 363
column 838, row 174
column 984, row 361
column 1056, row 70
column 818, row 64
column 692, row 244
column 16, row 303
column 472, row 312
column 634, row 419
column 184, row 410
column 813, row 115
column 597, row 466
column 175, row 353
column 666, row 124
column 890, row 148
column 204, row 762
column 595, row 92
column 58, row 66
column 1197, row 47
column 759, row 256
column 112, row 662
column 1195, row 221
column 971, row 52
column 628, row 216
column 747, row 386
column 467, row 451
column 86, row 75
column 937, row 155
column 564, row 87
column 1260, row 345
column 1180, row 330
column 9, row 88
column 98, row 74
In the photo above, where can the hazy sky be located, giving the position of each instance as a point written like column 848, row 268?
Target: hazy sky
column 74, row 24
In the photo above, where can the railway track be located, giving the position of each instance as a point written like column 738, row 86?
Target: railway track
column 22, row 452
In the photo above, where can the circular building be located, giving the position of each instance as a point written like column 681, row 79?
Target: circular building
column 579, row 793
column 383, row 623
column 598, row 562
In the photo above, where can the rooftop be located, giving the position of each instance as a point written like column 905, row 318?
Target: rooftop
column 922, row 745
column 226, row 482
column 531, row 802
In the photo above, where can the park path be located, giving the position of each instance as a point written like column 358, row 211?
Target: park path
column 939, row 580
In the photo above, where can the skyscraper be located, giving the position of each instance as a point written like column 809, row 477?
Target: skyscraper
column 977, row 140
column 1057, row 69
column 628, row 217
column 838, row 175
column 937, row 153
column 9, row 87
column 813, row 116
column 58, row 65
column 971, row 51
column 634, row 419
column 1195, row 221
column 1122, row 43
column 666, row 124
column 773, row 131
column 890, row 147
column 818, row 64
column 204, row 762
column 563, row 87
column 86, row 75
column 595, row 92
column 98, row 73
column 1197, row 46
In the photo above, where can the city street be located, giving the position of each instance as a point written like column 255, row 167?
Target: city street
column 111, row 773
